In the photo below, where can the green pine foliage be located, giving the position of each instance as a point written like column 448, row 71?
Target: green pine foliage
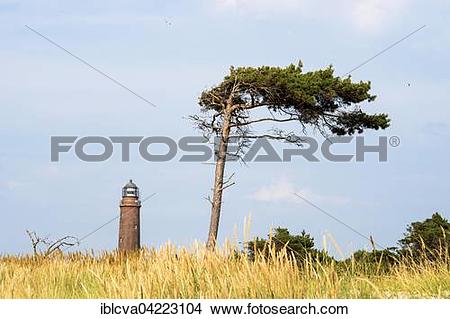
column 299, row 247
column 427, row 239
column 316, row 98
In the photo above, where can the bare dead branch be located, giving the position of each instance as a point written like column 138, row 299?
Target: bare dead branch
column 42, row 246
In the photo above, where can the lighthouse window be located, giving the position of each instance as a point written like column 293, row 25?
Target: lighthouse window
column 131, row 191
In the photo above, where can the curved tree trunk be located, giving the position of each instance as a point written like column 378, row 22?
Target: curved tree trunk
column 218, row 182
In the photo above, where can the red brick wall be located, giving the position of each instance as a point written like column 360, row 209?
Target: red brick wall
column 129, row 228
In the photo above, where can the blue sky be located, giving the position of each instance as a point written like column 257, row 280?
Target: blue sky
column 46, row 92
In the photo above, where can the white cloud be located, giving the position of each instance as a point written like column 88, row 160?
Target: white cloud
column 260, row 6
column 12, row 185
column 372, row 15
column 283, row 190
column 364, row 15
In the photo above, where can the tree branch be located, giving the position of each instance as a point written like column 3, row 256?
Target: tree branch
column 268, row 119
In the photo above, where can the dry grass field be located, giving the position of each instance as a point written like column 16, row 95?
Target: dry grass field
column 171, row 272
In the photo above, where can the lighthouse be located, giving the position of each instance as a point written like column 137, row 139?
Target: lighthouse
column 129, row 226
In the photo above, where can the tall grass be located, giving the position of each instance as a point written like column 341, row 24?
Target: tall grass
column 171, row 272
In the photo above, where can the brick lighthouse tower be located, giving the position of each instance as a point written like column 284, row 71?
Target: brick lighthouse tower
column 129, row 228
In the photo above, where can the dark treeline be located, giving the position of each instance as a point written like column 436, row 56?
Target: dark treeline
column 423, row 240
